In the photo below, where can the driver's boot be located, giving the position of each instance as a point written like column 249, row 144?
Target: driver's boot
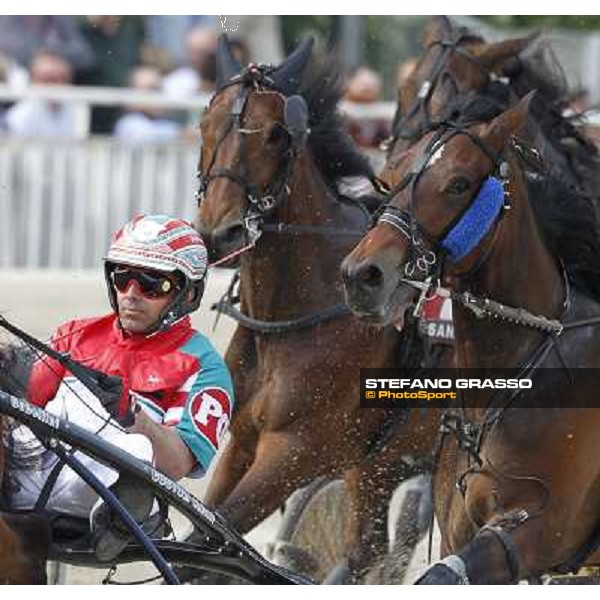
column 110, row 536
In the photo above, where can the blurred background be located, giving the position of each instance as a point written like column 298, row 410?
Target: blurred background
column 99, row 114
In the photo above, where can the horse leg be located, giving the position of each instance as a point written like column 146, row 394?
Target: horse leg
column 368, row 532
column 281, row 465
column 371, row 487
column 512, row 545
column 277, row 471
column 232, row 465
column 24, row 541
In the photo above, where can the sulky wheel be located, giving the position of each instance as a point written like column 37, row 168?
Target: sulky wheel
column 312, row 536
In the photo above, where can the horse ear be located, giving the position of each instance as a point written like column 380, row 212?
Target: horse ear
column 227, row 64
column 499, row 131
column 436, row 29
column 493, row 55
column 287, row 77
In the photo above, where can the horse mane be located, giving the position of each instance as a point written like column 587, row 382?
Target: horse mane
column 540, row 70
column 564, row 195
column 568, row 217
column 334, row 152
column 569, row 222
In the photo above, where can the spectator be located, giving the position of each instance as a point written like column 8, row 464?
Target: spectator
column 199, row 74
column 167, row 32
column 44, row 118
column 23, row 37
column 364, row 86
column 116, row 42
column 144, row 123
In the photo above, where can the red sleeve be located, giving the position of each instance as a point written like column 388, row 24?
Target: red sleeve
column 47, row 373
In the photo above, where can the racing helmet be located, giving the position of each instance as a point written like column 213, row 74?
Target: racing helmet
column 166, row 244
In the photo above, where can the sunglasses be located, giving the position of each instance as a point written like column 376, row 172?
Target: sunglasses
column 151, row 285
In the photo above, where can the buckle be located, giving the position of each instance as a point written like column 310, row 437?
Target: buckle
column 252, row 224
column 266, row 203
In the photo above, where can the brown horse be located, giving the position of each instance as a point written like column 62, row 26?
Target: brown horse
column 273, row 150
column 455, row 61
column 529, row 494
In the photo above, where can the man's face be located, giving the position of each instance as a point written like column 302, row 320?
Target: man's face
column 48, row 69
column 201, row 46
column 138, row 309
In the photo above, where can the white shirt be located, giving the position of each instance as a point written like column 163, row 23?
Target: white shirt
column 38, row 118
column 70, row 494
column 182, row 83
column 137, row 127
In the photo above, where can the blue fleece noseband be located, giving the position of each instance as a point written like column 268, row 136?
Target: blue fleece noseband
column 476, row 221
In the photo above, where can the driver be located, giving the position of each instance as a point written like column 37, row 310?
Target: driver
column 174, row 398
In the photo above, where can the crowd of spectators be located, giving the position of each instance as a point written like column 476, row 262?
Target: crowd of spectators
column 175, row 55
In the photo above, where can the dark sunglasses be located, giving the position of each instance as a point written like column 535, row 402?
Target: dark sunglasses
column 151, row 285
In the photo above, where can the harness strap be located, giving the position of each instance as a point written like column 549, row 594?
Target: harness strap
column 291, row 228
column 510, row 548
column 48, row 487
column 224, row 306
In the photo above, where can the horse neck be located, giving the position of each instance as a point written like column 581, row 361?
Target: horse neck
column 519, row 272
column 289, row 275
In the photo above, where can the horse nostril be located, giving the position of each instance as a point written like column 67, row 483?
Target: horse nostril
column 370, row 276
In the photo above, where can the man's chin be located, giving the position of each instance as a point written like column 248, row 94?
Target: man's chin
column 132, row 325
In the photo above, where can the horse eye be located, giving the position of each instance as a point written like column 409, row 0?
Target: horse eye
column 276, row 134
column 459, row 185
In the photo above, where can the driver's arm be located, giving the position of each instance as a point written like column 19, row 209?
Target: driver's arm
column 171, row 454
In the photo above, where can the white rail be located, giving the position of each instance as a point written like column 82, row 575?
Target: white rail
column 84, row 98
column 60, row 201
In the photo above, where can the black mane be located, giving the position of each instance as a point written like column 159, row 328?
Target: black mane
column 562, row 135
column 569, row 220
column 332, row 148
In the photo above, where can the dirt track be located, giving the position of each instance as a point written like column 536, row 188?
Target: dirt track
column 38, row 301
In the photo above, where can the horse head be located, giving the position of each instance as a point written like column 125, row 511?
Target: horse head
column 455, row 61
column 447, row 177
column 253, row 130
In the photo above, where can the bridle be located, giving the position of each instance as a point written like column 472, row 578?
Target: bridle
column 258, row 204
column 420, row 106
column 426, row 253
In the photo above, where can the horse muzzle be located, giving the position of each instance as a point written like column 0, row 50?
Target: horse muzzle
column 374, row 295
